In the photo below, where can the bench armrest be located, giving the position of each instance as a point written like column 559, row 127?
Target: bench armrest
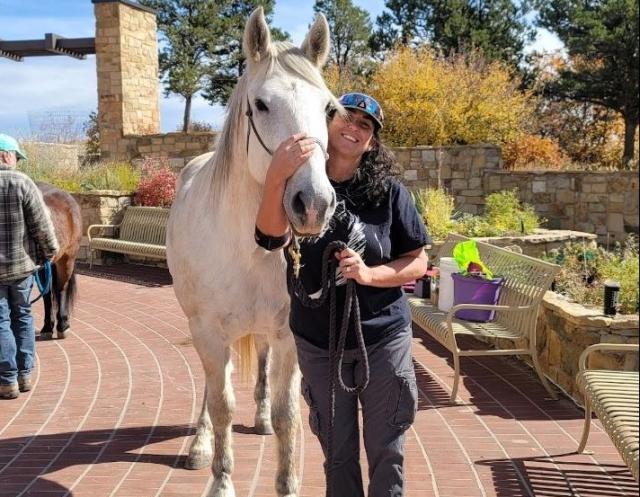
column 115, row 227
column 608, row 347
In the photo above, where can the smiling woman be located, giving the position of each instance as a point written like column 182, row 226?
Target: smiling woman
column 384, row 236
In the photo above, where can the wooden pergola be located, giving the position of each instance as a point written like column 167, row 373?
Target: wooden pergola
column 52, row 44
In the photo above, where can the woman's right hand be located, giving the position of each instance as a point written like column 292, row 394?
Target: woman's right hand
column 289, row 156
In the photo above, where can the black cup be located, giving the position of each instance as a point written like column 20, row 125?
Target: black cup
column 611, row 297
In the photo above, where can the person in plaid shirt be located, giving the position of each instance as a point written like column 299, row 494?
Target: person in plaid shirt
column 27, row 240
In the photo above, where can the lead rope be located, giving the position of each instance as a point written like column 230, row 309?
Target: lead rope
column 44, row 287
column 336, row 354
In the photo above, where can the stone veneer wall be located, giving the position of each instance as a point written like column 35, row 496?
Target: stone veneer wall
column 99, row 207
column 178, row 147
column 127, row 68
column 603, row 203
column 566, row 328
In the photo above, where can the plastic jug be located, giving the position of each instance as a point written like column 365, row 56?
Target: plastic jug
column 448, row 266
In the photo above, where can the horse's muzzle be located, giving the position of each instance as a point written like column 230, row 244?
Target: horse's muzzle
column 310, row 214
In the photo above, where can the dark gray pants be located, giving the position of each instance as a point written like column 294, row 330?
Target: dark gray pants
column 389, row 405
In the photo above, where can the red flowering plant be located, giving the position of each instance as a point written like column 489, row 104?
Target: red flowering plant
column 157, row 187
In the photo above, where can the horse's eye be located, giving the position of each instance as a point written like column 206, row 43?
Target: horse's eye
column 260, row 105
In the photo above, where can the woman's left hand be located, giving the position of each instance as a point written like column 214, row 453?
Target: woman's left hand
column 353, row 267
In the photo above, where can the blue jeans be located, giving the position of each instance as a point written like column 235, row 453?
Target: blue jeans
column 17, row 335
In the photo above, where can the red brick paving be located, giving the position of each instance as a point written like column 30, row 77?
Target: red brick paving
column 113, row 406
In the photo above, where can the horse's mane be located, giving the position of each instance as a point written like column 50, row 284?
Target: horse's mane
column 282, row 55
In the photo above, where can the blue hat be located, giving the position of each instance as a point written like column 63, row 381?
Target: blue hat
column 365, row 103
column 9, row 144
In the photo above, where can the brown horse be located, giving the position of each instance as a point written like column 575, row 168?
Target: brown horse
column 67, row 222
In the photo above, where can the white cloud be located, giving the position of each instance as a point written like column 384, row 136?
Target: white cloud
column 545, row 41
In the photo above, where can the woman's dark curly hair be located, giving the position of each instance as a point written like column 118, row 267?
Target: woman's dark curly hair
column 371, row 181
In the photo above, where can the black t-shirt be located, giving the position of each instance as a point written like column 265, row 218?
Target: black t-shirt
column 380, row 234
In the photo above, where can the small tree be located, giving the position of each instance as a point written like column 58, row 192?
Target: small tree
column 601, row 38
column 463, row 99
column 190, row 28
column 349, row 27
column 92, row 132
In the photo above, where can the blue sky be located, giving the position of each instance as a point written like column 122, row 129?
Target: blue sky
column 42, row 85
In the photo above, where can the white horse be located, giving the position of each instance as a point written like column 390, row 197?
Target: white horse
column 227, row 286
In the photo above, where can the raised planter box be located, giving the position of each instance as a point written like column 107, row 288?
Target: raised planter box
column 535, row 245
column 566, row 328
column 99, row 207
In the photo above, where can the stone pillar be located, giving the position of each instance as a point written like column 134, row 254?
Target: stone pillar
column 127, row 67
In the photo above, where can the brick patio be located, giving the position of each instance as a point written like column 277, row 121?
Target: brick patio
column 114, row 404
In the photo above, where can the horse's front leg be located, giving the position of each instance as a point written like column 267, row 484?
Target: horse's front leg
column 201, row 450
column 261, row 394
column 46, row 333
column 220, row 404
column 285, row 410
column 65, row 289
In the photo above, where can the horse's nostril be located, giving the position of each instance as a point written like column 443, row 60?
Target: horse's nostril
column 332, row 204
column 298, row 204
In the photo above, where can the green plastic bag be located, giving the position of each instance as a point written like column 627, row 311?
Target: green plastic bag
column 466, row 253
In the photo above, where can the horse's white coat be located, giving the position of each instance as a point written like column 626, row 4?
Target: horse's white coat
column 227, row 286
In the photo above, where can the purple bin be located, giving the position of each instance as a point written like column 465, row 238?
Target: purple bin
column 475, row 290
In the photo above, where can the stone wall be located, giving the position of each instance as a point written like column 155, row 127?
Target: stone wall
column 179, row 148
column 603, row 203
column 565, row 329
column 99, row 207
column 127, row 68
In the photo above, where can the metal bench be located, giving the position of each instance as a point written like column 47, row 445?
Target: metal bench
column 526, row 281
column 142, row 233
column 613, row 396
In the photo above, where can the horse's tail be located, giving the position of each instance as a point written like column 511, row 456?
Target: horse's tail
column 246, row 349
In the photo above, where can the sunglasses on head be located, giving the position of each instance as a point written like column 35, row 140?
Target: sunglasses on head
column 364, row 103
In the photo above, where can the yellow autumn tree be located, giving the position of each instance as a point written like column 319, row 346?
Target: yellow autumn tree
column 429, row 100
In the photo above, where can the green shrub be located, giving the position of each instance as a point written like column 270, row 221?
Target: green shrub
column 505, row 212
column 585, row 267
column 504, row 215
column 436, row 208
column 474, row 226
column 120, row 176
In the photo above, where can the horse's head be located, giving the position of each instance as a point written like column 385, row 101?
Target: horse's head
column 285, row 94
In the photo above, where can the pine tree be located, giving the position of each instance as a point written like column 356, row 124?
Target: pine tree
column 349, row 27
column 497, row 27
column 190, row 29
column 227, row 59
column 601, row 38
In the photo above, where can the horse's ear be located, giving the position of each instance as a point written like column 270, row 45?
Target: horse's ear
column 316, row 44
column 257, row 37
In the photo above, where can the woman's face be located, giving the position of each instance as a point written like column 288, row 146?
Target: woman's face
column 351, row 135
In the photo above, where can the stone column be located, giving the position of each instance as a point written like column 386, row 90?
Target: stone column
column 127, row 69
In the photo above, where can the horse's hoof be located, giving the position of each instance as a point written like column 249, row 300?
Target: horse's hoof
column 222, row 487
column 46, row 335
column 263, row 427
column 198, row 461
column 63, row 334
